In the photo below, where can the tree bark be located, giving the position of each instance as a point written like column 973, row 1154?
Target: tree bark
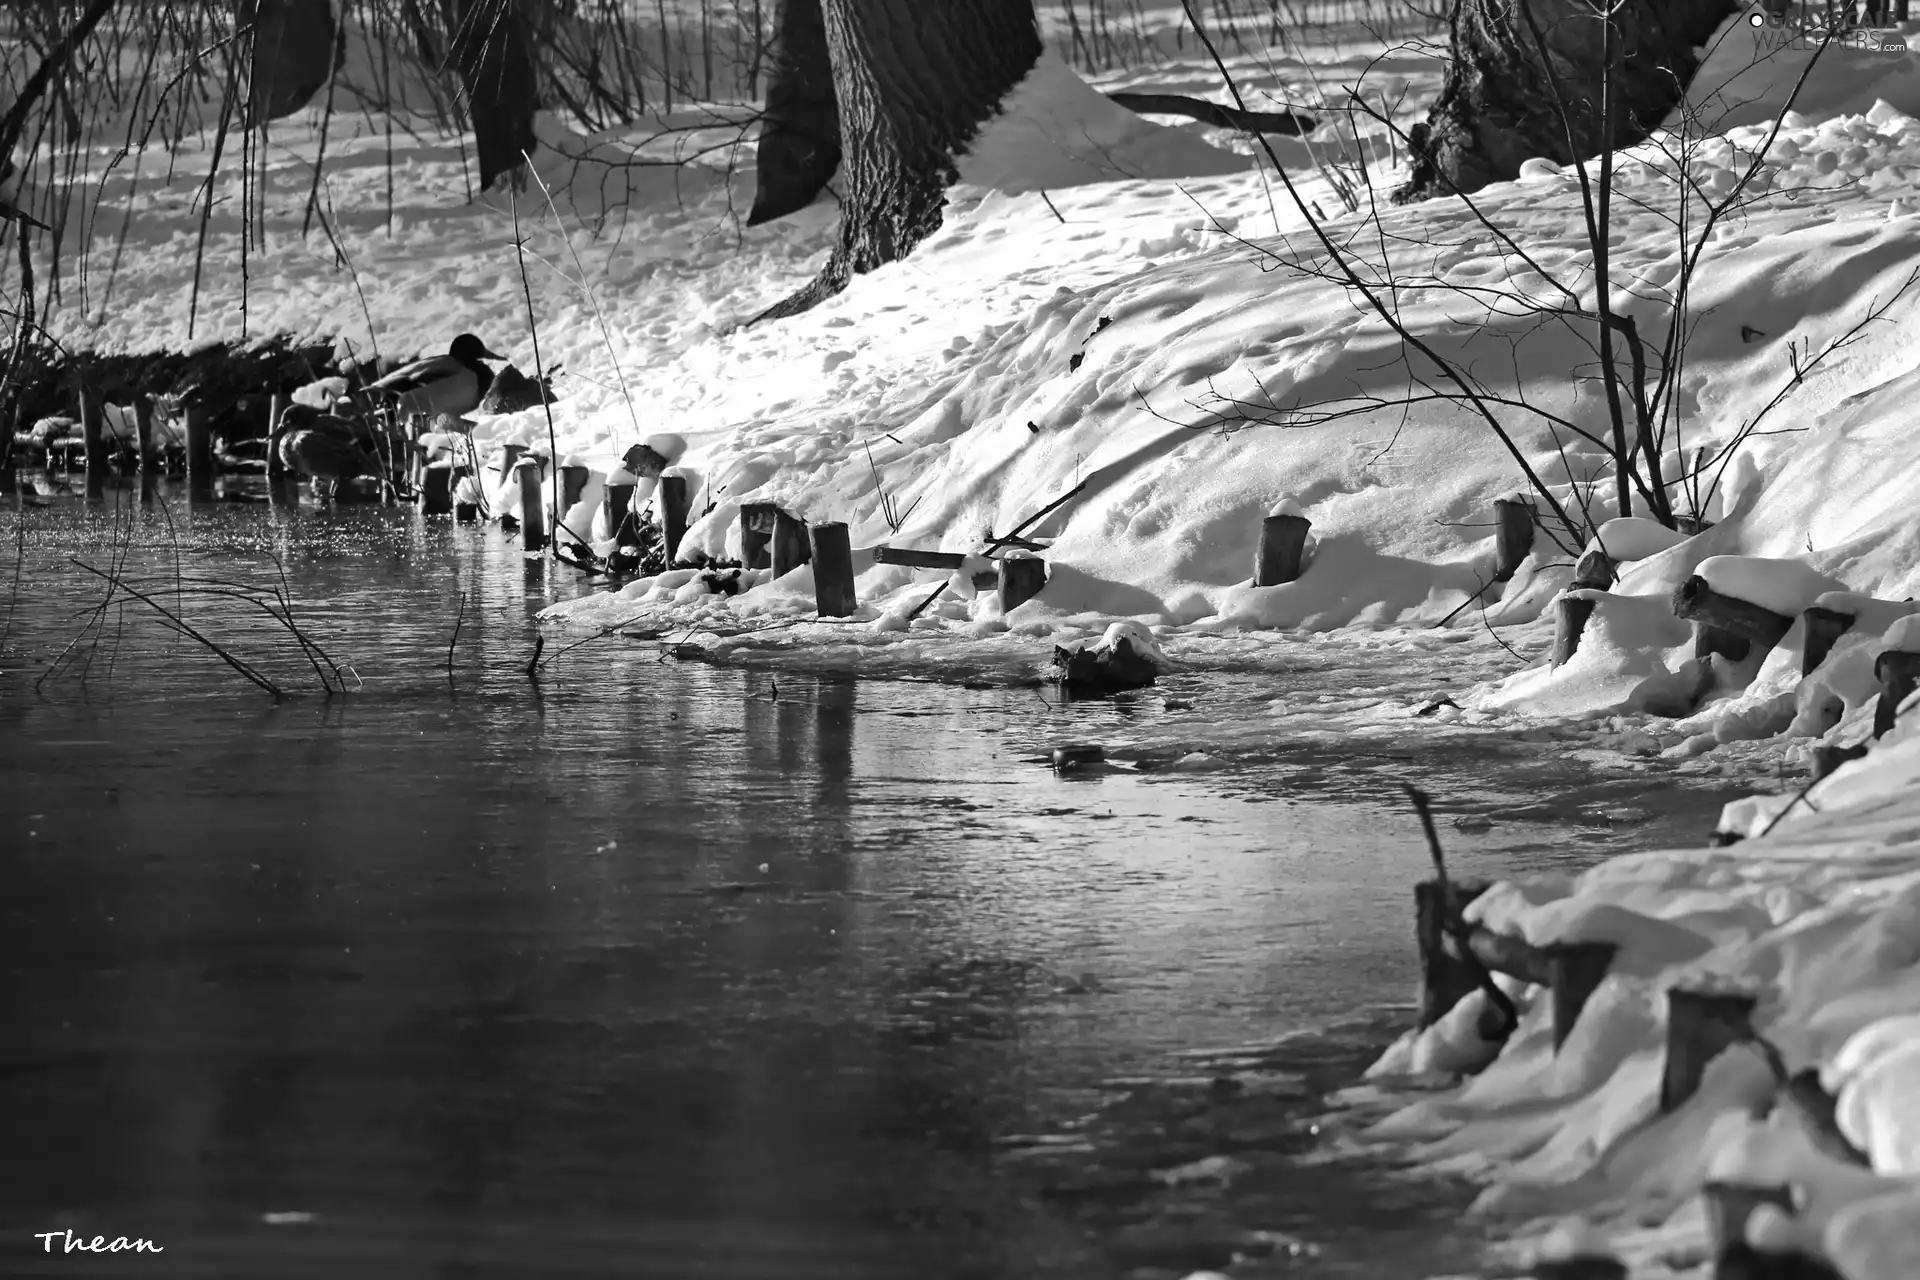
column 799, row 146
column 295, row 50
column 492, row 50
column 914, row 81
column 50, row 70
column 1528, row 78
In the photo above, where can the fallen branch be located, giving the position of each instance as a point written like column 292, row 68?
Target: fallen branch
column 1219, row 115
column 1003, row 540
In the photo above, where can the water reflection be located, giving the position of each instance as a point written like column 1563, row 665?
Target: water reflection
column 653, row 968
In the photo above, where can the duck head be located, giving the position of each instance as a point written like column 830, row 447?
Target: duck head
column 466, row 348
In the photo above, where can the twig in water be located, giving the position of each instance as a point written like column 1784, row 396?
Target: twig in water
column 533, row 663
column 458, row 618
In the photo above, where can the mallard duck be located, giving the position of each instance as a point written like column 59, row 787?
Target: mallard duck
column 320, row 446
column 452, row 383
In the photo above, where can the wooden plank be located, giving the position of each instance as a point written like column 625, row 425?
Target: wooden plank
column 948, row 560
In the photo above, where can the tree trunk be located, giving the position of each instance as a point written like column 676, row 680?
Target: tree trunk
column 914, row 81
column 492, row 49
column 1504, row 100
column 294, row 53
column 799, row 146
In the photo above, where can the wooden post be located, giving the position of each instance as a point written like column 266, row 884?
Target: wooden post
column 1283, row 542
column 1512, row 535
column 199, row 452
column 143, row 431
column 436, row 491
column 1699, row 1025
column 1574, row 969
column 93, row 430
column 1899, row 674
column 573, row 483
column 671, row 498
column 1824, row 627
column 1020, row 580
column 283, row 484
column 618, row 504
column 533, row 502
column 1445, row 978
column 1726, row 624
column 756, row 534
column 790, row 549
column 1570, row 614
column 1596, row 571
column 832, row 569
column 510, row 455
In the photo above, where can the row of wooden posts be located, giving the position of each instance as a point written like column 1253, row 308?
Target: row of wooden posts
column 1738, row 629
column 1702, row 1023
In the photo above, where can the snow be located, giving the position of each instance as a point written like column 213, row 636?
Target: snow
column 1784, row 586
column 938, row 403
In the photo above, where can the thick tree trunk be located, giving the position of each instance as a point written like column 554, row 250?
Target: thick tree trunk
column 799, row 145
column 914, row 80
column 1503, row 102
column 295, row 50
column 492, row 50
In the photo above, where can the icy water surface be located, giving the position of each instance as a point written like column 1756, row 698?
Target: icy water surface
column 656, row 968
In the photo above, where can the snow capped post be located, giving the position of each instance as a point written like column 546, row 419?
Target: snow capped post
column 832, row 569
column 1019, row 577
column 672, row 501
column 618, row 506
column 1898, row 670
column 436, row 489
column 573, row 483
column 790, row 549
column 1725, row 624
column 1513, row 521
column 1570, row 614
column 1700, row 1023
column 1283, row 544
column 533, row 515
column 1824, row 627
column 1445, row 978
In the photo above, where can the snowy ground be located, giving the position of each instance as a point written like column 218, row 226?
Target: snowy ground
column 1105, row 299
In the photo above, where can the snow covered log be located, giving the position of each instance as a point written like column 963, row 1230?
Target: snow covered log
column 1124, row 658
column 1700, row 1024
column 1571, row 970
column 1726, row 624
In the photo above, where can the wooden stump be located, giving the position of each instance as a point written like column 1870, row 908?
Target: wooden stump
column 1824, row 627
column 790, row 549
column 1513, row 522
column 672, row 501
column 436, row 491
column 1283, row 543
column 832, row 569
column 618, row 505
column 756, row 534
column 1445, row 978
column 1725, row 624
column 1899, row 673
column 533, row 504
column 1574, row 969
column 573, row 483
column 510, row 455
column 1596, row 571
column 1570, row 615
column 1699, row 1025
column 93, row 433
column 1019, row 580
column 199, row 453
column 466, row 512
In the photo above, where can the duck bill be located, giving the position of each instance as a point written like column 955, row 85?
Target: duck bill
column 490, row 355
